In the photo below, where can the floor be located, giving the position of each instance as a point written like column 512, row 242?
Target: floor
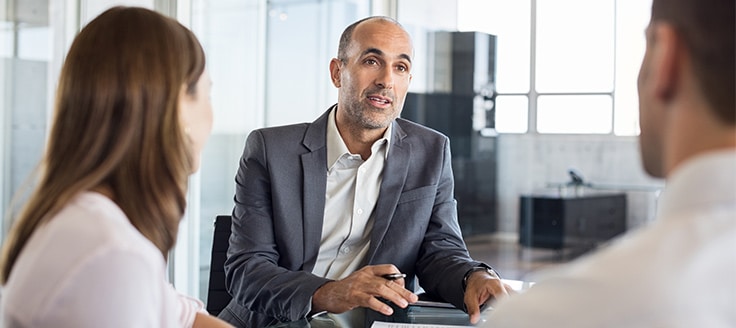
column 511, row 260
column 505, row 255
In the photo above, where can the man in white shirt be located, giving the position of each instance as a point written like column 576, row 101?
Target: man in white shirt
column 678, row 272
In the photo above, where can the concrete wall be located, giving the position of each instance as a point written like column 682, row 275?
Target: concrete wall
column 535, row 163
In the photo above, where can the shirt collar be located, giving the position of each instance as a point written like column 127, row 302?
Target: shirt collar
column 336, row 146
column 701, row 182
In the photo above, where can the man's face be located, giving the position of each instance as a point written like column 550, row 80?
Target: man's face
column 374, row 77
column 651, row 117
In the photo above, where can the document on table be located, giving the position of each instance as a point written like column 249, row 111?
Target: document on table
column 380, row 324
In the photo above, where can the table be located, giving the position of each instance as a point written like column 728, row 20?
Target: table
column 412, row 314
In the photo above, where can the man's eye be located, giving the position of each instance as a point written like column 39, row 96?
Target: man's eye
column 371, row 61
column 403, row 68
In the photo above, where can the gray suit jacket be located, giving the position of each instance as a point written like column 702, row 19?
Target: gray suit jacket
column 279, row 208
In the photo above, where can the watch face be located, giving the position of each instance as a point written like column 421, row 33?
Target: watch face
column 486, row 269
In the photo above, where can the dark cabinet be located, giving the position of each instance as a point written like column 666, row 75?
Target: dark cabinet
column 577, row 222
column 466, row 62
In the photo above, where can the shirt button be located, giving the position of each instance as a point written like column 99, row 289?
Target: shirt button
column 345, row 250
column 359, row 211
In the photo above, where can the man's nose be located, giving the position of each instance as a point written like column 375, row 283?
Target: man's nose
column 385, row 78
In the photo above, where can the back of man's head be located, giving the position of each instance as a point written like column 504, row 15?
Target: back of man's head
column 707, row 27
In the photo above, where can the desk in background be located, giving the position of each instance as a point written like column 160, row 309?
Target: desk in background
column 577, row 221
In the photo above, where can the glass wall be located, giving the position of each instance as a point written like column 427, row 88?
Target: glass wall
column 25, row 56
column 232, row 33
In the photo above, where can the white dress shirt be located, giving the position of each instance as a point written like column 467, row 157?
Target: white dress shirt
column 678, row 272
column 352, row 190
column 353, row 185
column 90, row 267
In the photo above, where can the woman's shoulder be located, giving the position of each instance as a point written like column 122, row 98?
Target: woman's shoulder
column 99, row 222
column 87, row 256
column 89, row 228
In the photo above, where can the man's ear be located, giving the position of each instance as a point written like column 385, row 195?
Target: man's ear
column 335, row 66
column 666, row 60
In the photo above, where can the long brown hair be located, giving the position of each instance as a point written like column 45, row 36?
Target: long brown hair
column 116, row 124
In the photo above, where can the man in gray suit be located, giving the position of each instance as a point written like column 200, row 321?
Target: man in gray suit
column 323, row 211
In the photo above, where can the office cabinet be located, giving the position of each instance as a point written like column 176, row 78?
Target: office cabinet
column 579, row 221
column 460, row 105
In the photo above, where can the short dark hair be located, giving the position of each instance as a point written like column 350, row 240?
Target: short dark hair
column 347, row 35
column 707, row 28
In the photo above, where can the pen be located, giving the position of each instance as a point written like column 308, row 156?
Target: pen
column 394, row 276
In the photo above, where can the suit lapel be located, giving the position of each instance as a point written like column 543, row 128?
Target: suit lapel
column 314, row 173
column 394, row 176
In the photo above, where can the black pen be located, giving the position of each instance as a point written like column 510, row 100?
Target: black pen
column 394, row 276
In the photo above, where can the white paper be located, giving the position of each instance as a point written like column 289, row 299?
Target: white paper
column 434, row 304
column 380, row 324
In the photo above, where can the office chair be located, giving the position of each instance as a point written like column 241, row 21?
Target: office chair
column 217, row 295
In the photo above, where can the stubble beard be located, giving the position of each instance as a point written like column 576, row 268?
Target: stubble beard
column 359, row 113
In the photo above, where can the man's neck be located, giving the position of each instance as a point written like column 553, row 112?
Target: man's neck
column 694, row 131
column 360, row 141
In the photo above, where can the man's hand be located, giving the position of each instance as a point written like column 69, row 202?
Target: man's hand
column 362, row 289
column 481, row 287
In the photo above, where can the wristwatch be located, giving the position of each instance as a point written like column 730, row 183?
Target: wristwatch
column 487, row 269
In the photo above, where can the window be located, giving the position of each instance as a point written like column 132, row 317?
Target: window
column 574, row 79
column 25, row 57
column 512, row 112
column 574, row 114
column 574, row 46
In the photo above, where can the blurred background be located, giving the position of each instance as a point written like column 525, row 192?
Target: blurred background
column 538, row 98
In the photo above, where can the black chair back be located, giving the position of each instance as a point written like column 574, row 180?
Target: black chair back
column 217, row 295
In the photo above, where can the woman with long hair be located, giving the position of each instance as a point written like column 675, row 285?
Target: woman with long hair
column 89, row 247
